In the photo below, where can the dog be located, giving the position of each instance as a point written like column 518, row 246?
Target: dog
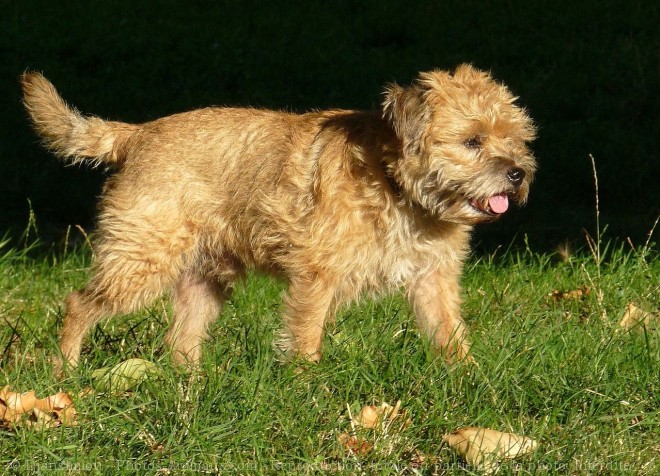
column 338, row 203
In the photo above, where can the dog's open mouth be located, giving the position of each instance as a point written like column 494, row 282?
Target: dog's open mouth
column 492, row 206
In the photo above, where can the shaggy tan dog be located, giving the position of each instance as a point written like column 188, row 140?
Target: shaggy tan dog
column 336, row 202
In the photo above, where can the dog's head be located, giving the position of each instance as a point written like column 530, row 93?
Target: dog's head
column 463, row 141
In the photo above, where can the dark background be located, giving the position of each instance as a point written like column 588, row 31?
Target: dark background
column 588, row 72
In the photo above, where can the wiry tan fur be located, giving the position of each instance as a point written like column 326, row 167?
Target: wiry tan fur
column 337, row 202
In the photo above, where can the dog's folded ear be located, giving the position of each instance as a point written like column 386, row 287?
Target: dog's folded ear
column 407, row 113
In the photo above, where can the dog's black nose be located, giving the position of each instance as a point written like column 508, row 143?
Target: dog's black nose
column 516, row 176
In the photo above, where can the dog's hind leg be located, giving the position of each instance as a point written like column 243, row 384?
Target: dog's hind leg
column 131, row 269
column 197, row 301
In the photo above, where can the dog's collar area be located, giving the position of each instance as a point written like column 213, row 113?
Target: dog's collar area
column 397, row 191
column 394, row 185
column 391, row 181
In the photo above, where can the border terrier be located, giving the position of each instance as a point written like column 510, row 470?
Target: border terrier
column 338, row 203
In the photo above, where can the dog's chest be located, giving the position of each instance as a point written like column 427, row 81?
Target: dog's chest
column 402, row 255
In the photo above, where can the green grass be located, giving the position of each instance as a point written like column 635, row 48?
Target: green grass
column 556, row 371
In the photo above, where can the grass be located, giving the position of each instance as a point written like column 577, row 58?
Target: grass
column 557, row 370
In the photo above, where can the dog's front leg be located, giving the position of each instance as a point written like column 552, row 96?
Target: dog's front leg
column 308, row 302
column 435, row 298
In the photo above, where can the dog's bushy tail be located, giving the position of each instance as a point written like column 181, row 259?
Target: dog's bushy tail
column 66, row 131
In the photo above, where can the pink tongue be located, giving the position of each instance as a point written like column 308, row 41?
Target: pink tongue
column 499, row 203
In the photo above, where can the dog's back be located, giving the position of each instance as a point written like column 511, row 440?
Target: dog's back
column 250, row 180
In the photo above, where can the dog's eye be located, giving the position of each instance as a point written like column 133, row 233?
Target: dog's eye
column 474, row 143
